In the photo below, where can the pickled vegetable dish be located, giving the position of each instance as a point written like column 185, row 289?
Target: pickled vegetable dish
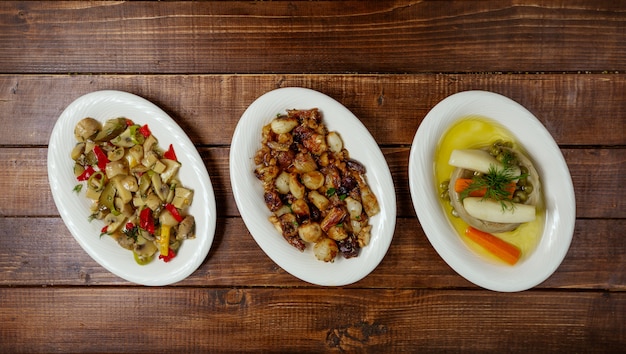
column 317, row 194
column 134, row 187
column 490, row 189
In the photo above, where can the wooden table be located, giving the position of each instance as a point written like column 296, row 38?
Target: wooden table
column 389, row 62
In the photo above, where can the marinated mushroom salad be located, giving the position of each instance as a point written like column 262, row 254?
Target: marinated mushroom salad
column 317, row 194
column 494, row 189
column 133, row 186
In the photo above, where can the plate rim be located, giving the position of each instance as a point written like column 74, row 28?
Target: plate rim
column 562, row 210
column 313, row 99
column 126, row 101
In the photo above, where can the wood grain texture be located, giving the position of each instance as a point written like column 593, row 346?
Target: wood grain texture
column 596, row 175
column 310, row 320
column 389, row 62
column 314, row 37
column 41, row 251
column 577, row 109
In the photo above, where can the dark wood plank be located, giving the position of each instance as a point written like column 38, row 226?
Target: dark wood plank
column 577, row 109
column 315, row 37
column 41, row 251
column 596, row 174
column 389, row 62
column 308, row 320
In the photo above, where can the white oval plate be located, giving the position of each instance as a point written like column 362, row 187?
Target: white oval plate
column 556, row 184
column 248, row 190
column 74, row 208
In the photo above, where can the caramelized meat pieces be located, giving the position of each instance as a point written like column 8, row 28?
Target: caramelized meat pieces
column 317, row 194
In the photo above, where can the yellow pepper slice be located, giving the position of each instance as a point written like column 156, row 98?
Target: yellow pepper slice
column 164, row 240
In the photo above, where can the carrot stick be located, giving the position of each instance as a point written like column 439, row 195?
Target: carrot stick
column 462, row 184
column 505, row 251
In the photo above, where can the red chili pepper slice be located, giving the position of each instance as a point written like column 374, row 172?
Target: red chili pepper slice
column 170, row 254
column 104, row 230
column 146, row 221
column 129, row 225
column 101, row 156
column 170, row 154
column 86, row 174
column 129, row 122
column 145, row 131
column 172, row 209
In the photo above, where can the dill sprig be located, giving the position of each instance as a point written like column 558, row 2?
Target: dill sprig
column 496, row 182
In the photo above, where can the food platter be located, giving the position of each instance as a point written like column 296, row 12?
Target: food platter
column 74, row 207
column 556, row 181
column 248, row 190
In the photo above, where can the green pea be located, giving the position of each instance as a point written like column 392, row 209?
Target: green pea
column 528, row 188
column 522, row 196
column 522, row 182
column 495, row 150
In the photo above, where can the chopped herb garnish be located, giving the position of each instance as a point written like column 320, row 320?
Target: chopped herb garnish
column 78, row 188
column 132, row 231
column 330, row 192
column 496, row 184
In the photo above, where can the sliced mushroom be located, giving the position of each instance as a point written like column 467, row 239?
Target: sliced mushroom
column 86, row 129
column 186, row 228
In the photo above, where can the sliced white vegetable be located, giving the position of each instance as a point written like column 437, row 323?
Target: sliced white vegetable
column 492, row 211
column 477, row 160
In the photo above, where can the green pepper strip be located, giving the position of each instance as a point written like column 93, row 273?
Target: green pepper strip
column 96, row 181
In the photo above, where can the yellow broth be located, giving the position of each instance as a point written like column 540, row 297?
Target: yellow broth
column 474, row 132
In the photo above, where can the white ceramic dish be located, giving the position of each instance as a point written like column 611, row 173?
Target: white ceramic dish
column 248, row 190
column 554, row 174
column 74, row 208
